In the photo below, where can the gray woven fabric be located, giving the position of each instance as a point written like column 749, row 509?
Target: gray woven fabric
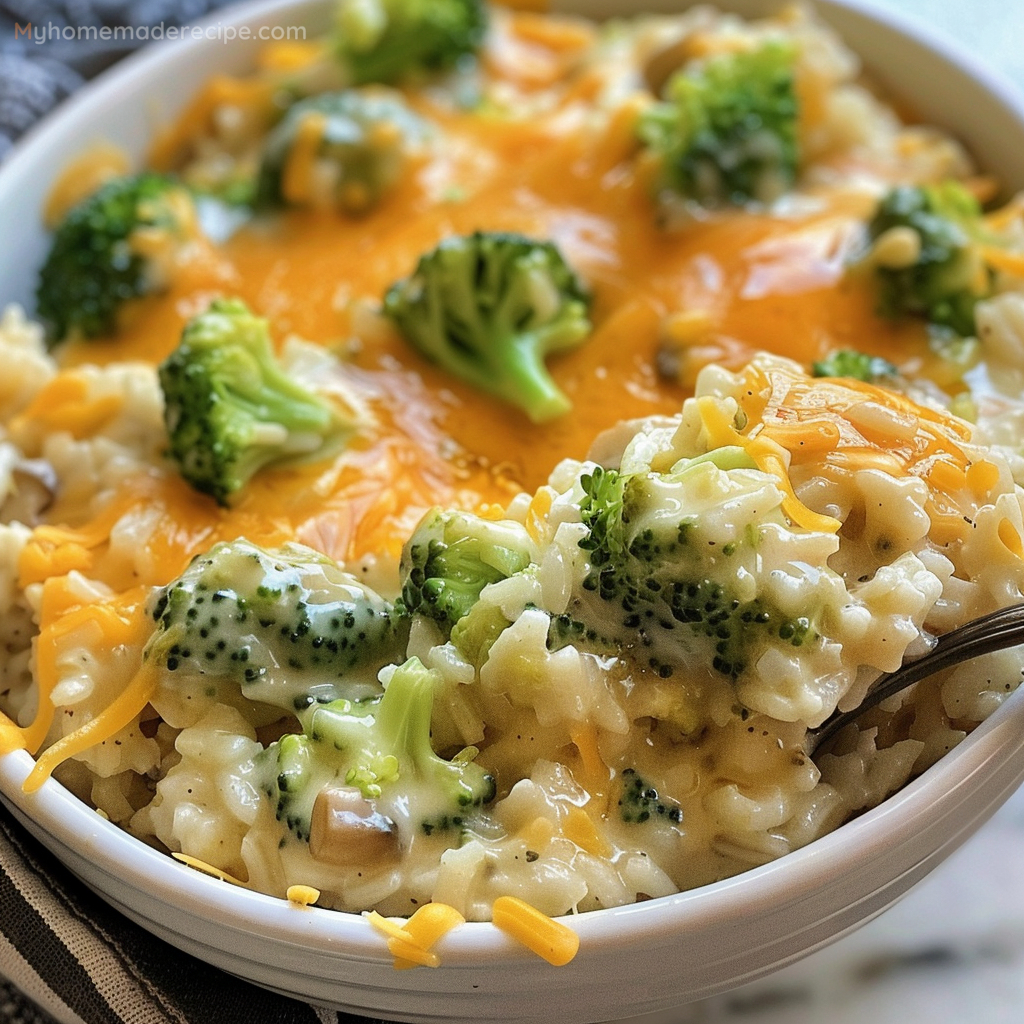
column 39, row 67
column 102, row 967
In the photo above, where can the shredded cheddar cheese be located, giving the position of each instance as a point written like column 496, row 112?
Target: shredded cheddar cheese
column 110, row 720
column 548, row 938
column 594, row 770
column 620, row 138
column 540, row 506
column 1011, row 538
column 536, row 834
column 41, row 561
column 57, row 550
column 430, row 923
column 947, row 476
column 580, row 828
column 771, row 457
column 981, row 477
column 297, row 179
column 64, row 405
column 410, row 942
column 302, row 895
column 63, row 615
column 290, row 55
column 788, row 421
column 1006, row 261
column 11, row 736
column 174, row 141
column 386, row 925
column 408, row 955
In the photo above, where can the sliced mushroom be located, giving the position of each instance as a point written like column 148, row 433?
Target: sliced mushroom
column 668, row 361
column 346, row 829
column 663, row 62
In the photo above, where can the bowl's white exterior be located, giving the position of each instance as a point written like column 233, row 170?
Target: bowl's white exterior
column 633, row 959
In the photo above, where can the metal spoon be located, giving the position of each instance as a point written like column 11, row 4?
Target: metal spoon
column 993, row 632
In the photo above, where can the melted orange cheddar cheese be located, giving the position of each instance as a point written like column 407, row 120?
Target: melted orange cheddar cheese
column 751, row 281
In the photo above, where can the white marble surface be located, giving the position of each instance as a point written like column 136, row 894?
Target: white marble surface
column 952, row 952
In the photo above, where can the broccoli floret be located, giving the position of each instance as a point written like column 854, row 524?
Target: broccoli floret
column 380, row 746
column 388, row 40
column 94, row 265
column 924, row 258
column 639, row 801
column 229, row 408
column 352, row 144
column 452, row 556
column 661, row 586
column 287, row 628
column 488, row 308
column 859, row 365
column 726, row 132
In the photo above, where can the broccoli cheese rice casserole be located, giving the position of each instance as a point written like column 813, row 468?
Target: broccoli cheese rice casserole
column 475, row 450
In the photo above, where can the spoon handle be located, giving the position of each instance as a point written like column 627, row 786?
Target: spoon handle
column 993, row 632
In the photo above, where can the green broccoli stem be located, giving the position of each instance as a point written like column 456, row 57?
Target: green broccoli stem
column 294, row 774
column 403, row 714
column 529, row 379
column 391, row 743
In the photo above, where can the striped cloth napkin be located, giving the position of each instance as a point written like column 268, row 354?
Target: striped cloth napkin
column 64, row 954
column 63, row 949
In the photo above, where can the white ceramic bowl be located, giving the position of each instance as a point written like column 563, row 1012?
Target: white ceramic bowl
column 680, row 947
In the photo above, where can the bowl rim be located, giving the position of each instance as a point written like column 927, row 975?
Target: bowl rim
column 794, row 876
column 993, row 744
